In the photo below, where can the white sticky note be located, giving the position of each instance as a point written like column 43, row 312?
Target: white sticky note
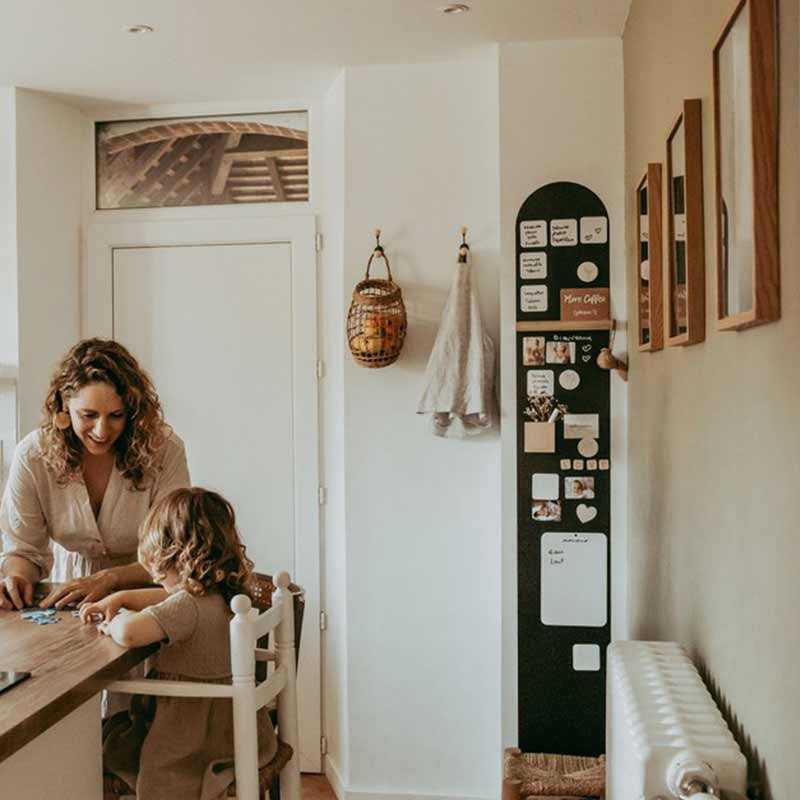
column 563, row 232
column 604, row 465
column 577, row 463
column 566, row 463
column 541, row 381
column 591, row 464
column 532, row 266
column 586, row 657
column 574, row 579
column 581, row 426
column 679, row 227
column 594, row 230
column 533, row 298
column 533, row 233
column 544, row 486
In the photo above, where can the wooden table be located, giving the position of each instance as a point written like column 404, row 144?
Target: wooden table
column 50, row 746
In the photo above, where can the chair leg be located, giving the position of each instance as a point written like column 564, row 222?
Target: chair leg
column 275, row 789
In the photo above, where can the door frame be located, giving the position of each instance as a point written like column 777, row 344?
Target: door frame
column 299, row 232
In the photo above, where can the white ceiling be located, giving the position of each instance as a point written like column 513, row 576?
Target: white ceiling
column 205, row 50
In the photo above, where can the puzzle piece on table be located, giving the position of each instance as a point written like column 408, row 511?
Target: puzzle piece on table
column 46, row 620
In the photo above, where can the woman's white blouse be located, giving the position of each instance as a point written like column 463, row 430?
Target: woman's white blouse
column 54, row 526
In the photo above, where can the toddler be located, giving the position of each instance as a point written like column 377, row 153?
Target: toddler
column 177, row 747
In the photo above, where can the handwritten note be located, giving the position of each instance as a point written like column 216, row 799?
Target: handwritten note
column 533, row 233
column 532, row 266
column 533, row 298
column 574, row 579
column 563, row 232
column 540, row 381
column 594, row 230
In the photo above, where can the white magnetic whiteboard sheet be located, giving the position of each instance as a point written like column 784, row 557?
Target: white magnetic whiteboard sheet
column 574, row 579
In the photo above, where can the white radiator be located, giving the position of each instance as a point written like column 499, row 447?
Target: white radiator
column 665, row 736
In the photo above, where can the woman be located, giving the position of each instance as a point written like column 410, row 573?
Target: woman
column 81, row 485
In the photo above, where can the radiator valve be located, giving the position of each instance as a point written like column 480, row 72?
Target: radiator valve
column 689, row 778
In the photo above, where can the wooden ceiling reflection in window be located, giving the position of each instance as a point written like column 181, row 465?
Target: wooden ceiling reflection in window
column 202, row 162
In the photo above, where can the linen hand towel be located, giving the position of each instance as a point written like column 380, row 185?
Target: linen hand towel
column 459, row 378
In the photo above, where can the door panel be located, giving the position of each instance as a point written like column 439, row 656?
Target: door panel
column 211, row 325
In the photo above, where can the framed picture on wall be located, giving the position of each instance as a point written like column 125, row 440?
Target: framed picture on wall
column 746, row 168
column 648, row 282
column 194, row 161
column 686, row 295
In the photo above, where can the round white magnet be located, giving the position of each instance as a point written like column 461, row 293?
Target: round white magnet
column 588, row 271
column 588, row 447
column 569, row 379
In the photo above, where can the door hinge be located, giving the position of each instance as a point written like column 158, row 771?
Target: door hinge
column 323, row 745
column 320, row 369
column 318, row 242
column 322, row 495
column 323, row 621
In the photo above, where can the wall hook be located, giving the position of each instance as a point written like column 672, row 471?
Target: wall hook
column 464, row 248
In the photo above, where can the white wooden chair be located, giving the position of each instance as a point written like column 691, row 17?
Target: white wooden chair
column 247, row 626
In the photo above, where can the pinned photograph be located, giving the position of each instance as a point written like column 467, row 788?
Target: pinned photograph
column 547, row 511
column 581, row 488
column 560, row 352
column 533, row 351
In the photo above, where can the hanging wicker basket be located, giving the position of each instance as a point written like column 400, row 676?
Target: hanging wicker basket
column 376, row 321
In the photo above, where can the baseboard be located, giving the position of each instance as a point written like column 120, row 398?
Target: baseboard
column 343, row 792
column 365, row 795
column 334, row 778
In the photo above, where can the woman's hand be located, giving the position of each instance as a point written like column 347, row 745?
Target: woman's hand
column 103, row 610
column 16, row 591
column 88, row 589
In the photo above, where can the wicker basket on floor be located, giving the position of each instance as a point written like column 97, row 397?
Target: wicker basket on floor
column 532, row 775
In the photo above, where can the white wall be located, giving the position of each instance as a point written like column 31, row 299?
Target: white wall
column 9, row 341
column 423, row 580
column 9, row 353
column 332, row 310
column 48, row 181
column 715, row 455
column 561, row 119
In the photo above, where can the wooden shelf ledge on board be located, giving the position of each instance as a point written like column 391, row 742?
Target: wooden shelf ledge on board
column 558, row 325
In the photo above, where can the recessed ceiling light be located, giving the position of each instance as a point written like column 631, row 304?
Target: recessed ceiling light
column 140, row 29
column 455, row 8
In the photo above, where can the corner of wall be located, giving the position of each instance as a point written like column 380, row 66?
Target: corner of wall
column 48, row 198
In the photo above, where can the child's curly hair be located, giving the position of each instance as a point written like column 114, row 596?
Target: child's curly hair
column 192, row 533
column 139, row 447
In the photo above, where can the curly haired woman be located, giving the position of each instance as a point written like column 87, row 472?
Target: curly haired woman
column 83, row 482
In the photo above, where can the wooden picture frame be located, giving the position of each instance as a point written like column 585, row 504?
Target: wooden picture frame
column 746, row 167
column 686, row 282
column 649, row 278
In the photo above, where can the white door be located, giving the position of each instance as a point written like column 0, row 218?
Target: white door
column 226, row 327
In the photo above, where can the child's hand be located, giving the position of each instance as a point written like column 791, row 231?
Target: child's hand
column 102, row 610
